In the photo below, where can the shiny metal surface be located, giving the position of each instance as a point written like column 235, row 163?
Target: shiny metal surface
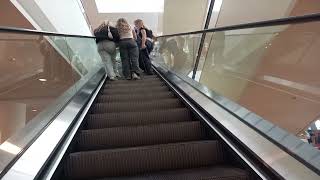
column 23, row 137
column 54, row 162
column 282, row 163
column 36, row 156
column 241, row 154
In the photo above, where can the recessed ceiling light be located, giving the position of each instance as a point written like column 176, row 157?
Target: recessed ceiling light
column 43, row 80
column 12, row 59
column 34, row 110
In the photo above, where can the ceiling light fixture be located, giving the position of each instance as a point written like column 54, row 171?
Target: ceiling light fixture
column 43, row 80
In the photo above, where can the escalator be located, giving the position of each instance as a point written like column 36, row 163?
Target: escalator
column 141, row 130
column 70, row 123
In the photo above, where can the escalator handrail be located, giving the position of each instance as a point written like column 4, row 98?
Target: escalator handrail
column 273, row 22
column 8, row 29
column 267, row 23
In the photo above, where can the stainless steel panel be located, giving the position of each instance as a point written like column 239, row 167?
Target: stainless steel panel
column 35, row 157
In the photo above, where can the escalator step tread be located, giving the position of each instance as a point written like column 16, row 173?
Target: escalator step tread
column 139, row 135
column 131, row 97
column 107, row 120
column 204, row 173
column 132, row 106
column 135, row 90
column 128, row 85
column 137, row 160
column 136, row 82
column 136, row 87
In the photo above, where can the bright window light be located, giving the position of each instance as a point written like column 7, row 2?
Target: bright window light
column 318, row 124
column 217, row 5
column 130, row 6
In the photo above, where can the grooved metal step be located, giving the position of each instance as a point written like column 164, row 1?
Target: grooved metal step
column 203, row 173
column 137, row 81
column 129, row 85
column 107, row 120
column 133, row 97
column 132, row 161
column 140, row 90
column 139, row 135
column 133, row 106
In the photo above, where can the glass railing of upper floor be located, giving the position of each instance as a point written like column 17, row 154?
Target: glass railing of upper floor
column 269, row 67
column 39, row 73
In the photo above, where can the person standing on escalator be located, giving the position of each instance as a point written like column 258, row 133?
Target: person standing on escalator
column 106, row 37
column 129, row 50
column 145, row 42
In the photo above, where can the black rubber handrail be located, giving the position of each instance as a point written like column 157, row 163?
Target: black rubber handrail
column 36, row 32
column 274, row 22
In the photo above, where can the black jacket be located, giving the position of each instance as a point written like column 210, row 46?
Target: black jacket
column 149, row 33
column 102, row 34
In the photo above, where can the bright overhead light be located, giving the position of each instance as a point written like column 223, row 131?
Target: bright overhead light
column 34, row 110
column 130, row 6
column 43, row 80
column 10, row 148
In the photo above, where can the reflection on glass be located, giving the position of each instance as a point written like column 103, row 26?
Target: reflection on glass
column 84, row 58
column 38, row 76
column 271, row 71
column 33, row 73
column 179, row 53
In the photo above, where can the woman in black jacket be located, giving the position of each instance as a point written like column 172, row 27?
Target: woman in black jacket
column 106, row 38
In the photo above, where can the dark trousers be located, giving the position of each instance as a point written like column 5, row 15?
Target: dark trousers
column 144, row 57
column 144, row 61
column 129, row 54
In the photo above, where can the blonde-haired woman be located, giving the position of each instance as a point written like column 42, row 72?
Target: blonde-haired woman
column 129, row 51
column 145, row 43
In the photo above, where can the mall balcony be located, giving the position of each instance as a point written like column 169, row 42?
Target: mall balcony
column 234, row 95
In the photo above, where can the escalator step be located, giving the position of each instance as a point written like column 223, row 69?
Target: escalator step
column 135, row 90
column 107, row 120
column 132, row 97
column 136, row 82
column 139, row 135
column 137, row 87
column 132, row 106
column 204, row 173
column 136, row 160
column 150, row 76
column 141, row 84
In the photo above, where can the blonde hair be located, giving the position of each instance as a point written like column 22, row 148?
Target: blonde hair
column 123, row 26
column 139, row 21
